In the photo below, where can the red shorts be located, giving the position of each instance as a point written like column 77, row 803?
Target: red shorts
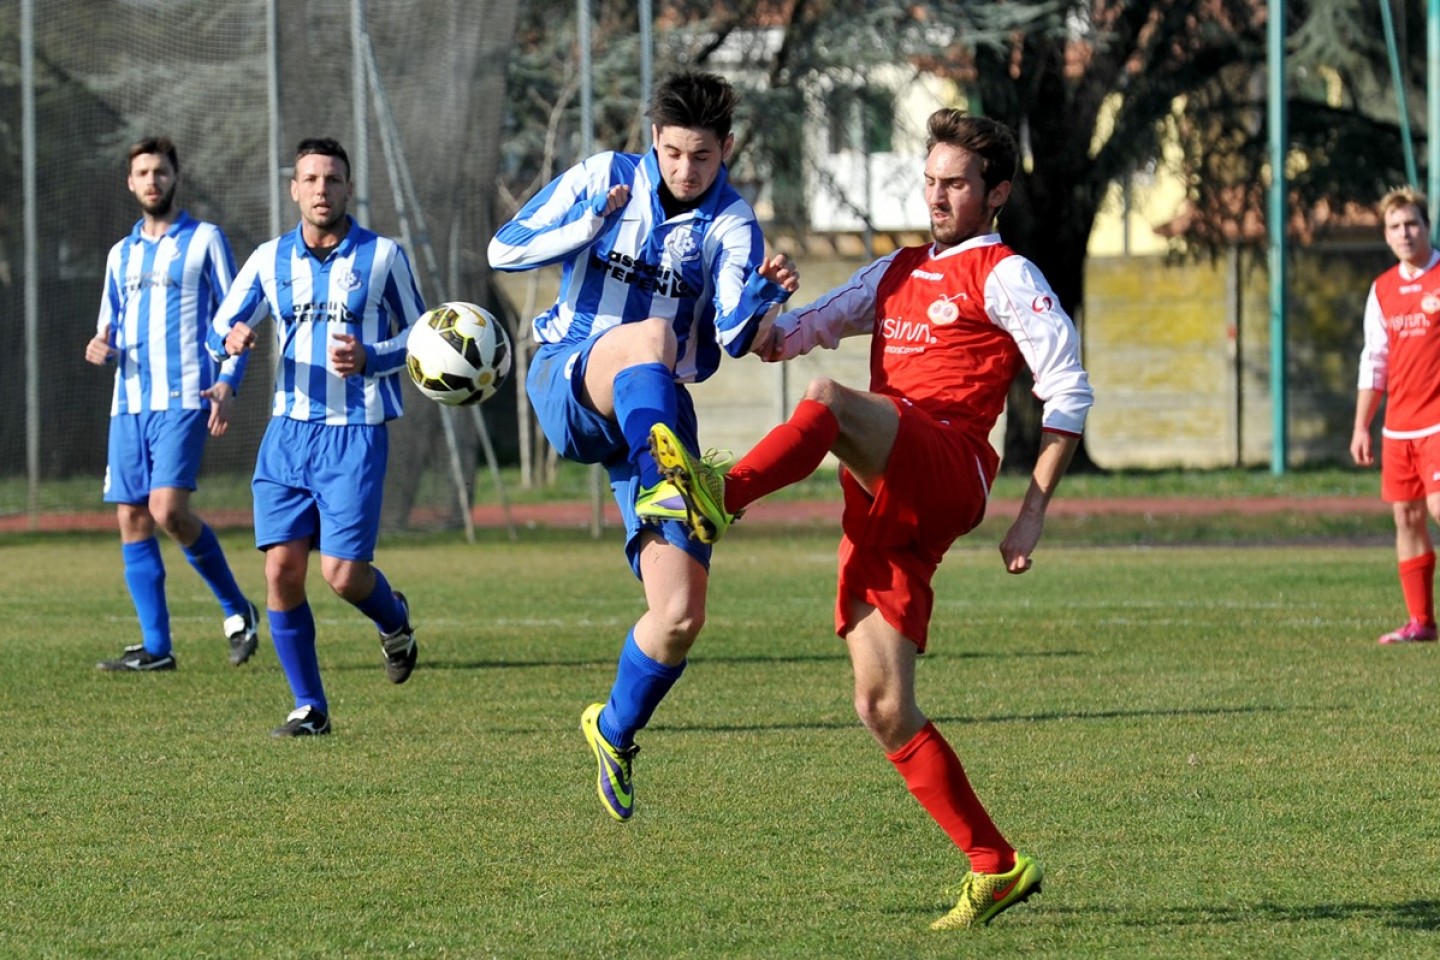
column 1409, row 469
column 934, row 490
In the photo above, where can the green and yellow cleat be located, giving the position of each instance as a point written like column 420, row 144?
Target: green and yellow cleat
column 612, row 781
column 983, row 896
column 699, row 482
column 661, row 502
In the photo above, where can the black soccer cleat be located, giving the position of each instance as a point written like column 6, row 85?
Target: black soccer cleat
column 243, row 632
column 136, row 659
column 399, row 647
column 303, row 722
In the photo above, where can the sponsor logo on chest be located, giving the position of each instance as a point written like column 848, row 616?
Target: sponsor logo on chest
column 659, row 281
column 1409, row 324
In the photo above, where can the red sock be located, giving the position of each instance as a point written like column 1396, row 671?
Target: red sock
column 1417, row 582
column 785, row 455
column 935, row 777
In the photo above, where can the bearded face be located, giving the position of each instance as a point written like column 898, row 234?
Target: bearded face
column 955, row 194
column 153, row 180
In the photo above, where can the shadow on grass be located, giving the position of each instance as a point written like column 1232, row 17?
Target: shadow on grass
column 850, row 723
column 838, row 656
column 425, row 664
column 1421, row 916
column 1126, row 714
column 1417, row 915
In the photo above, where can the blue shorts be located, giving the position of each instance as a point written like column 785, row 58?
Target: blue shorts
column 157, row 448
column 322, row 483
column 555, row 384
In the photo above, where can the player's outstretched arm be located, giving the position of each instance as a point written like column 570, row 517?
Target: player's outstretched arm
column 845, row 311
column 1056, row 451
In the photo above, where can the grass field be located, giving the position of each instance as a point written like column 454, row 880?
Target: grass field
column 573, row 482
column 1204, row 746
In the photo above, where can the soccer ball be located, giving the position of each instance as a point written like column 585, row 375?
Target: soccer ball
column 459, row 354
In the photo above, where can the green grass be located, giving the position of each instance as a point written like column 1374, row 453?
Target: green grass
column 1204, row 746
column 573, row 482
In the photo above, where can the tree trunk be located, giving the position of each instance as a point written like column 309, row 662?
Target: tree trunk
column 1051, row 208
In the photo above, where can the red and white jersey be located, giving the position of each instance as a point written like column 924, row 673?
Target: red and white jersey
column 951, row 328
column 1401, row 356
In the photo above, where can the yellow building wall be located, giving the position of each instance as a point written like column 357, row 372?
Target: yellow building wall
column 1160, row 349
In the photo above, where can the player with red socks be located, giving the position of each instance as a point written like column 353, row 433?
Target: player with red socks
column 1401, row 361
column 951, row 322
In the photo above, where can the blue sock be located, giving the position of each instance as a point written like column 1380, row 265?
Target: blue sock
column 208, row 560
column 145, row 576
column 644, row 396
column 293, row 633
column 381, row 606
column 640, row 685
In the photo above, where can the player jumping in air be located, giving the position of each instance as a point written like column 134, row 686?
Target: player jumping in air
column 951, row 322
column 664, row 270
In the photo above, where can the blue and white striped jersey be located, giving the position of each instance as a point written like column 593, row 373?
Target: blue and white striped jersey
column 364, row 288
column 698, row 269
column 159, row 299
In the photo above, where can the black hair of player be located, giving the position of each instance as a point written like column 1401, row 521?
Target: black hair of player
column 695, row 101
column 325, row 147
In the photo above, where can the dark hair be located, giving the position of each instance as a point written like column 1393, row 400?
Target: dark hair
column 161, row 145
column 325, row 147
column 988, row 139
column 696, row 101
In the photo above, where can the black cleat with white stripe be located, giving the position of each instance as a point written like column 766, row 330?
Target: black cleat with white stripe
column 399, row 647
column 303, row 722
column 136, row 659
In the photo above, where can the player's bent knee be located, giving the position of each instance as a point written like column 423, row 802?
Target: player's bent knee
column 890, row 715
column 823, row 390
column 684, row 627
column 878, row 714
column 179, row 523
column 349, row 581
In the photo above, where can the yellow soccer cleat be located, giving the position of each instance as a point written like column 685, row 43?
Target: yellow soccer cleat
column 700, row 483
column 612, row 781
column 661, row 502
column 984, row 895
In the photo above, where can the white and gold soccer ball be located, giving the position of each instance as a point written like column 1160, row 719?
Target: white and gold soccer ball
column 459, row 354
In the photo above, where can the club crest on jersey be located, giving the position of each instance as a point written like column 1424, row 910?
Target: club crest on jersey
column 1430, row 303
column 942, row 312
column 682, row 246
column 350, row 280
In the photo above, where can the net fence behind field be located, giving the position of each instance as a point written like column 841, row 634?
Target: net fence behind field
column 399, row 84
